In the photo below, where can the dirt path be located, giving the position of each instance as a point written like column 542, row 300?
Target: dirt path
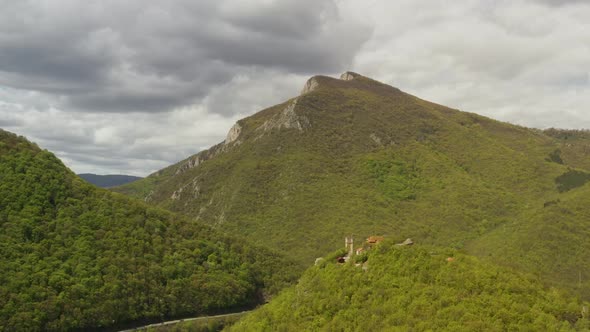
column 170, row 322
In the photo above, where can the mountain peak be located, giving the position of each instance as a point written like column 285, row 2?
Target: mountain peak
column 314, row 82
column 310, row 85
column 349, row 76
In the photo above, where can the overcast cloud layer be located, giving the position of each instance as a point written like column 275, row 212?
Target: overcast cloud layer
column 132, row 86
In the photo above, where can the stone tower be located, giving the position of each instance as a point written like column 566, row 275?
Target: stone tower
column 349, row 245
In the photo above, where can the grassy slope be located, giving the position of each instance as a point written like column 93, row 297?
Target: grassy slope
column 549, row 240
column 416, row 289
column 76, row 256
column 378, row 161
column 574, row 146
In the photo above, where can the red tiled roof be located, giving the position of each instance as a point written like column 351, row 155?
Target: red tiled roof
column 374, row 239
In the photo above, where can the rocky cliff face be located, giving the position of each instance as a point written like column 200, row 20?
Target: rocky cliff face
column 313, row 83
column 231, row 139
column 310, row 85
column 233, row 133
column 287, row 119
column 349, row 76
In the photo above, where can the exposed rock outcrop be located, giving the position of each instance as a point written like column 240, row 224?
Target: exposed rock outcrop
column 200, row 157
column 407, row 242
column 349, row 76
column 310, row 85
column 233, row 133
column 287, row 118
column 231, row 139
column 313, row 83
column 376, row 139
column 194, row 185
column 148, row 197
column 192, row 162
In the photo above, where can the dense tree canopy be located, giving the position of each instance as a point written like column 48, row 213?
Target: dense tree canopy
column 416, row 289
column 75, row 256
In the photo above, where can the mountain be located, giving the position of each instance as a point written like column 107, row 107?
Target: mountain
column 74, row 256
column 106, row 181
column 355, row 156
column 416, row 289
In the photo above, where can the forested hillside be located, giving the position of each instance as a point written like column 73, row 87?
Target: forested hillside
column 417, row 289
column 73, row 256
column 355, row 156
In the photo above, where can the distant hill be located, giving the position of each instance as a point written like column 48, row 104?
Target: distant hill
column 417, row 289
column 356, row 156
column 77, row 257
column 111, row 180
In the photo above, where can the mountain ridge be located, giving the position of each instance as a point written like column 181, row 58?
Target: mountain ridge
column 313, row 83
column 108, row 180
column 360, row 157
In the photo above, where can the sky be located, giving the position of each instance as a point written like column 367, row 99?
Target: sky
column 129, row 87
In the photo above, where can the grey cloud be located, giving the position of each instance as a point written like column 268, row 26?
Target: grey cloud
column 58, row 59
column 7, row 118
column 290, row 19
column 251, row 94
column 132, row 56
column 98, row 165
column 151, row 94
column 58, row 137
column 123, row 101
column 558, row 3
column 7, row 123
column 95, row 160
column 136, row 143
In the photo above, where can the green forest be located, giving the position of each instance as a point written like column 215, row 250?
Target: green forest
column 74, row 256
column 417, row 288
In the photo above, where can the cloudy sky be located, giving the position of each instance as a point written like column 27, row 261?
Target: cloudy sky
column 131, row 86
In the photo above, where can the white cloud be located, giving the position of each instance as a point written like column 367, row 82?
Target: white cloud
column 517, row 61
